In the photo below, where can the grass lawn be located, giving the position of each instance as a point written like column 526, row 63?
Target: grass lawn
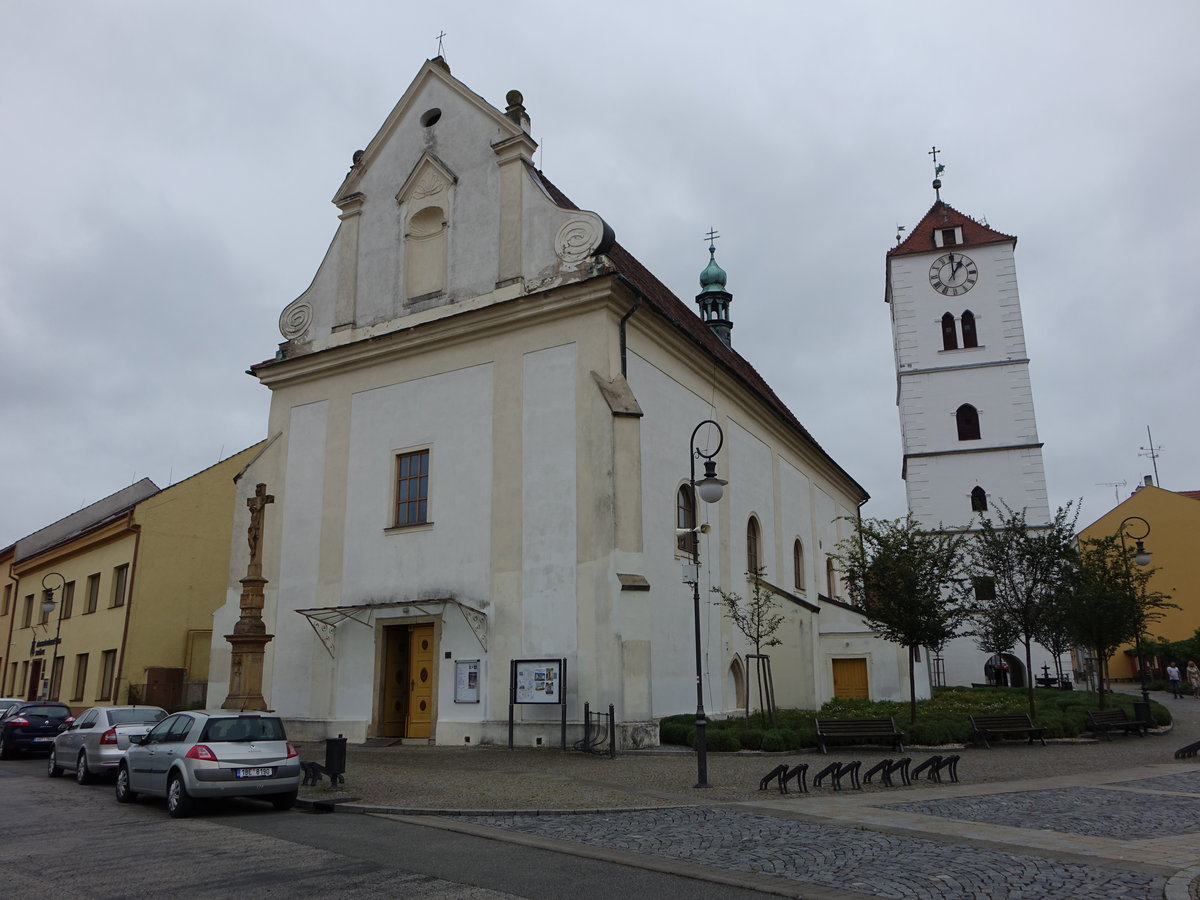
column 940, row 720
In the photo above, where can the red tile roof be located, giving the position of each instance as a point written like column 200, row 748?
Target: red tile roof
column 1195, row 495
column 943, row 215
column 671, row 308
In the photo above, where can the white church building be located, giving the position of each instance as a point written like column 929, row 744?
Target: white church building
column 967, row 423
column 479, row 453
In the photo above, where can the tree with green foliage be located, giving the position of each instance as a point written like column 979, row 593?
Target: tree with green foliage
column 1109, row 602
column 1028, row 566
column 907, row 582
column 758, row 619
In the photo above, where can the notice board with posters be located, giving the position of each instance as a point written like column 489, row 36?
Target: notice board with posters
column 540, row 682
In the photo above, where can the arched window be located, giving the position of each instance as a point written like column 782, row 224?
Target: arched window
column 978, row 499
column 968, row 422
column 753, row 554
column 949, row 335
column 968, row 326
column 830, row 582
column 685, row 517
column 798, row 564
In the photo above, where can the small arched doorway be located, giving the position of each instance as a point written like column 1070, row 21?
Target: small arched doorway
column 1004, row 670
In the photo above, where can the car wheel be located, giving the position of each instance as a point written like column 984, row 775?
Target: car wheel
column 124, row 794
column 179, row 802
column 5, row 750
column 283, row 801
column 53, row 769
column 82, row 775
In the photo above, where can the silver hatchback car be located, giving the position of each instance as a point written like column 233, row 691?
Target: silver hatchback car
column 94, row 743
column 219, row 753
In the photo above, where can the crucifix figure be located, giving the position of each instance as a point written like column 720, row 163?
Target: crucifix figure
column 257, row 505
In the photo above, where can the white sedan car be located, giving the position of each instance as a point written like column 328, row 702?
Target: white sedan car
column 94, row 743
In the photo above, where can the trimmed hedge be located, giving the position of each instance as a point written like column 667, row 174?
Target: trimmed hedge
column 944, row 719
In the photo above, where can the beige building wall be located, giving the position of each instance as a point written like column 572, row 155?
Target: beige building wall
column 182, row 569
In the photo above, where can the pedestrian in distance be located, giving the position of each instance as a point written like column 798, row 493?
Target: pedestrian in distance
column 1193, row 677
column 1173, row 677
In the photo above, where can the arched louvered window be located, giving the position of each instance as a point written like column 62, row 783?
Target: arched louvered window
column 949, row 334
column 685, row 518
column 970, row 339
column 978, row 499
column 753, row 553
column 798, row 564
column 967, row 417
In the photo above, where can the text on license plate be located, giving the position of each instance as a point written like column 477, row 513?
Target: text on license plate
column 253, row 773
column 40, row 739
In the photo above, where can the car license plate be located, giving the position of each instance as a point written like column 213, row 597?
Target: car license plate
column 253, row 773
column 39, row 740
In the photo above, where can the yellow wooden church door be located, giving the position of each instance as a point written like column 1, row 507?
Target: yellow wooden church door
column 420, row 681
column 850, row 678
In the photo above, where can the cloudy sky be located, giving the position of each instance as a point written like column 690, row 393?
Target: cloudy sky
column 168, row 167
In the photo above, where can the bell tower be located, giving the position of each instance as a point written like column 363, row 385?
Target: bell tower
column 967, row 423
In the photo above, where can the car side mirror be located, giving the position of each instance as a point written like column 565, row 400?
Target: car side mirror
column 137, row 738
column 64, row 727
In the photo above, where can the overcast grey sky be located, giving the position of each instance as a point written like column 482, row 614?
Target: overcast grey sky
column 168, row 168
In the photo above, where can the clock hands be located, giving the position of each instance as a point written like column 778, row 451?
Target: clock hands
column 955, row 265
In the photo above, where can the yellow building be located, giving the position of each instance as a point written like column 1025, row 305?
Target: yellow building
column 1173, row 518
column 133, row 580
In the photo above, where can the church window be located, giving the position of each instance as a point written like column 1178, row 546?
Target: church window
column 968, row 329
column 949, row 333
column 978, row 499
column 412, row 488
column 753, row 550
column 967, row 417
column 430, row 117
column 985, row 590
column 798, row 564
column 685, row 518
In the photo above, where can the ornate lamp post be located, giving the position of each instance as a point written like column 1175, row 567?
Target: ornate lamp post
column 48, row 605
column 710, row 489
column 1142, row 557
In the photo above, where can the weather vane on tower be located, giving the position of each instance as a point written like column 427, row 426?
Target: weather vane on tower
column 938, row 168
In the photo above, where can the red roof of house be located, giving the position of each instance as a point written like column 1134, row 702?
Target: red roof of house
column 1195, row 495
column 670, row 307
column 943, row 215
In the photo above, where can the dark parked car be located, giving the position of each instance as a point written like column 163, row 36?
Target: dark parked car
column 31, row 726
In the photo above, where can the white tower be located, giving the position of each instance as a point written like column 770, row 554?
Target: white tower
column 962, row 385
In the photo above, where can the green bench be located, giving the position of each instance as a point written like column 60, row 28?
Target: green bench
column 1104, row 721
column 858, row 731
column 988, row 728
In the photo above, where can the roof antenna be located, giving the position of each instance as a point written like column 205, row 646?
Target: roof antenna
column 1116, row 486
column 937, row 173
column 1152, row 452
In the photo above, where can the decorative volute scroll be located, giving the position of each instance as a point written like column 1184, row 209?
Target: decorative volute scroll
column 295, row 319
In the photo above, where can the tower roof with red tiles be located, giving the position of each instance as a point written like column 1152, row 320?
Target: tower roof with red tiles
column 943, row 215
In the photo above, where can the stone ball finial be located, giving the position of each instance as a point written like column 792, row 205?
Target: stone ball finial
column 514, row 98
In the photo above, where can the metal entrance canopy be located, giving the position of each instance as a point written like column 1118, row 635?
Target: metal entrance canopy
column 325, row 619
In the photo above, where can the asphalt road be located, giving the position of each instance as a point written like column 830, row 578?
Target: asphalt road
column 62, row 840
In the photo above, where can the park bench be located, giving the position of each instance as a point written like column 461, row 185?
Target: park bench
column 858, row 731
column 984, row 728
column 1103, row 721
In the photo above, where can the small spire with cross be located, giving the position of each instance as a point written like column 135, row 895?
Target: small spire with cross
column 711, row 237
column 938, row 168
column 440, row 52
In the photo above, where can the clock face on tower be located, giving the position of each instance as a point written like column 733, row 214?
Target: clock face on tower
column 953, row 274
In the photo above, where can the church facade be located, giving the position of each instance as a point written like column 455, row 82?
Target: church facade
column 965, row 399
column 478, row 449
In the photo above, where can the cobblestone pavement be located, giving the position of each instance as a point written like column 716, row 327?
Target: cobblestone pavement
column 847, row 859
column 1077, row 819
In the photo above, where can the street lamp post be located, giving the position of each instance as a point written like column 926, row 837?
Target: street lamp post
column 710, row 489
column 1142, row 557
column 48, row 606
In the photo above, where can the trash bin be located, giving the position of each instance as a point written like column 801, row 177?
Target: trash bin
column 1141, row 712
column 335, row 755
